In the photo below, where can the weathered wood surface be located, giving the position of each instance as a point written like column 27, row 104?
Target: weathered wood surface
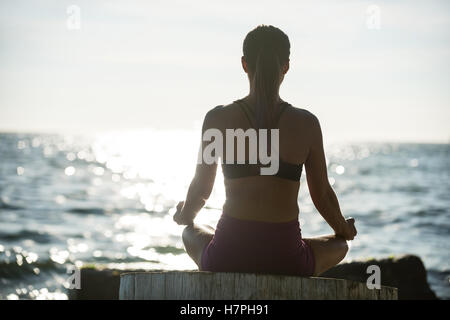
column 192, row 285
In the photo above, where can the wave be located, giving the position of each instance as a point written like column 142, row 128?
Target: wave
column 87, row 210
column 435, row 212
column 410, row 189
column 439, row 280
column 8, row 206
column 166, row 249
column 10, row 269
column 442, row 274
column 37, row 236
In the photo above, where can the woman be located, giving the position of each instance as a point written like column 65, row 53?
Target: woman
column 259, row 230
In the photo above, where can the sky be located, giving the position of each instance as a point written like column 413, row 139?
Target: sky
column 369, row 70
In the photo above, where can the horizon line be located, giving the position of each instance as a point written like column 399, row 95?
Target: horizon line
column 93, row 133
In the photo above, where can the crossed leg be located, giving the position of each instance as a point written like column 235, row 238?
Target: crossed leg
column 195, row 238
column 328, row 251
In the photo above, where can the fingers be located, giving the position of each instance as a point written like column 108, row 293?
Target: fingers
column 350, row 230
column 354, row 230
column 180, row 205
column 180, row 218
column 351, row 224
column 176, row 217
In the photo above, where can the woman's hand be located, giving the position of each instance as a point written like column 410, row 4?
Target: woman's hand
column 348, row 231
column 181, row 218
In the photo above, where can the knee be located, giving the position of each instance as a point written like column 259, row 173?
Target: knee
column 344, row 249
column 187, row 232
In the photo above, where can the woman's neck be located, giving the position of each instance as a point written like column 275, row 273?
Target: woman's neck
column 251, row 98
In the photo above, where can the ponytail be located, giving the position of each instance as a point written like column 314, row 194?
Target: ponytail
column 266, row 85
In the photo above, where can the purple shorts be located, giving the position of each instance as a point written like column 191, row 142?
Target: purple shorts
column 258, row 247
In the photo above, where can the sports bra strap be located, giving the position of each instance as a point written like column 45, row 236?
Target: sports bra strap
column 249, row 114
column 283, row 107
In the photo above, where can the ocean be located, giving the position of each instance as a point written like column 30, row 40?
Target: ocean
column 108, row 199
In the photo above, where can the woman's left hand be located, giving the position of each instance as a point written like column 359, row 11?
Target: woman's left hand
column 179, row 217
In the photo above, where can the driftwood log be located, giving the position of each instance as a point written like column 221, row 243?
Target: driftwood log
column 193, row 285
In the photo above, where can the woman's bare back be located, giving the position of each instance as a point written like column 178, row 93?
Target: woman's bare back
column 267, row 198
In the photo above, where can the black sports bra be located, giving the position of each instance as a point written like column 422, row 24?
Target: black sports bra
column 286, row 170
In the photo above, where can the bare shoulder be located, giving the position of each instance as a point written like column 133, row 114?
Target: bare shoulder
column 214, row 112
column 217, row 116
column 305, row 117
column 221, row 114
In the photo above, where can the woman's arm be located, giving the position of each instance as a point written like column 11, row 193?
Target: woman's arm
column 201, row 185
column 322, row 194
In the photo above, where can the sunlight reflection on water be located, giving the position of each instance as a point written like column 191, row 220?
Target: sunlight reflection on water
column 156, row 167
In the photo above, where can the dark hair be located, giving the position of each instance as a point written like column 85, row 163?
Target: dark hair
column 266, row 49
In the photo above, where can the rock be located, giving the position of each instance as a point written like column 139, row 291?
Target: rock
column 98, row 283
column 406, row 272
